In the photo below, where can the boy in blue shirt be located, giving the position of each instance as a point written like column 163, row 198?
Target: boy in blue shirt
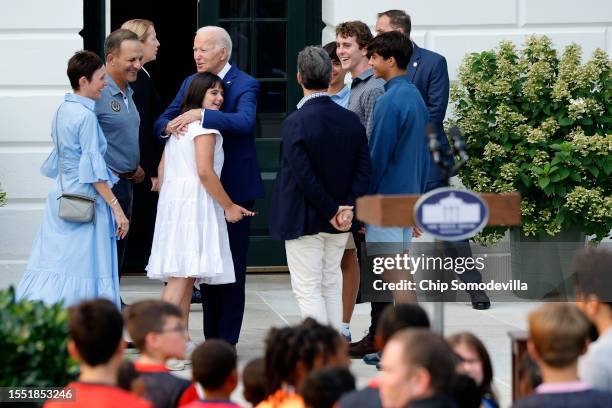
column 398, row 146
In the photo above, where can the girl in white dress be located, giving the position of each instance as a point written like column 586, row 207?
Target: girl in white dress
column 190, row 242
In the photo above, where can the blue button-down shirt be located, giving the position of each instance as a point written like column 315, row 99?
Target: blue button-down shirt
column 342, row 97
column 398, row 146
column 119, row 120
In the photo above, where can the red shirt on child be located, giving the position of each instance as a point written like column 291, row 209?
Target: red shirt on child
column 88, row 395
column 211, row 404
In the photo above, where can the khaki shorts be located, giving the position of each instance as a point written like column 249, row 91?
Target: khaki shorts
column 350, row 243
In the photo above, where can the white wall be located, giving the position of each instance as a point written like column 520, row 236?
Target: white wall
column 454, row 28
column 37, row 37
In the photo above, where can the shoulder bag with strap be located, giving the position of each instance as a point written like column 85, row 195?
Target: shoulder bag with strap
column 72, row 207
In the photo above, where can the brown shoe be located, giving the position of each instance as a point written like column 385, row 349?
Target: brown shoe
column 362, row 347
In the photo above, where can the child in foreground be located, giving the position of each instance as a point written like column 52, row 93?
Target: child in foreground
column 254, row 381
column 157, row 331
column 292, row 353
column 95, row 341
column 558, row 335
column 215, row 369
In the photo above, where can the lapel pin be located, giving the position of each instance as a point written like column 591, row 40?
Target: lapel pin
column 414, row 64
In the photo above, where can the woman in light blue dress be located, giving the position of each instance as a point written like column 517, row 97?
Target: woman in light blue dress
column 73, row 261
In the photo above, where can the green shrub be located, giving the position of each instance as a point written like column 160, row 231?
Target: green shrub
column 2, row 198
column 33, row 344
column 540, row 125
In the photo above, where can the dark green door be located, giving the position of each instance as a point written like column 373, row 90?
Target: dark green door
column 267, row 36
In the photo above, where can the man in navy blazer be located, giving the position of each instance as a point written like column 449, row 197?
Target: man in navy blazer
column 224, row 304
column 324, row 167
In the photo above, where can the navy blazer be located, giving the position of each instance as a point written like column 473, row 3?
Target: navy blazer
column 588, row 398
column 240, row 176
column 428, row 72
column 324, row 163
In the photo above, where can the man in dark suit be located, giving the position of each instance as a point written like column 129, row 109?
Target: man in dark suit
column 224, row 304
column 429, row 73
column 325, row 166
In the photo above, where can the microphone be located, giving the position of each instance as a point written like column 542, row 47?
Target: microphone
column 434, row 145
column 460, row 146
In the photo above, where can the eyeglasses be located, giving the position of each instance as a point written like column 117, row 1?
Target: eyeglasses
column 179, row 329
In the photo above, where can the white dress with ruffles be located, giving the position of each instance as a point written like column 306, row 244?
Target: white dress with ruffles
column 190, row 239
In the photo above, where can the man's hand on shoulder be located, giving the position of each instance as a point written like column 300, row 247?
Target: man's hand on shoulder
column 178, row 125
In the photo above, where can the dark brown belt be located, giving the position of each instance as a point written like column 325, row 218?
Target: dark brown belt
column 127, row 175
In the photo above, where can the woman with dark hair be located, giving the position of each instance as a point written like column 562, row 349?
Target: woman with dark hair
column 190, row 243
column 74, row 261
column 476, row 363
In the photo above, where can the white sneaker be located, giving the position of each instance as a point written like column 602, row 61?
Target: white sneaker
column 191, row 345
column 345, row 332
column 347, row 336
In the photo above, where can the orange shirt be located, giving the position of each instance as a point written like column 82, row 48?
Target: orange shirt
column 99, row 396
column 282, row 399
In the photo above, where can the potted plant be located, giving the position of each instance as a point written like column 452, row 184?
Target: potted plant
column 541, row 125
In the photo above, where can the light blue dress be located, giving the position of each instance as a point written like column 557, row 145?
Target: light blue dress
column 73, row 261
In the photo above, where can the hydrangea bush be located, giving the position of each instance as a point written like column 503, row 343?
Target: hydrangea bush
column 2, row 198
column 540, row 125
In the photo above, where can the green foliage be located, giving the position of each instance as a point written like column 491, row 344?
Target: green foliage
column 542, row 126
column 33, row 343
column 2, row 198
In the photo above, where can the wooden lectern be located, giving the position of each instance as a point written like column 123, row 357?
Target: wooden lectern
column 397, row 211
